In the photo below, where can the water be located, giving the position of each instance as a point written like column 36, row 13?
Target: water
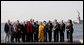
column 78, row 31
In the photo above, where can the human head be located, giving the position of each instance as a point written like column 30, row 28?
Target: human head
column 69, row 21
column 36, row 22
column 55, row 20
column 49, row 21
column 17, row 22
column 28, row 22
column 8, row 21
column 61, row 21
column 40, row 23
column 33, row 20
column 24, row 22
column 44, row 22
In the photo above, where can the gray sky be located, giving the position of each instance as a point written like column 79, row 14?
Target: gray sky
column 40, row 10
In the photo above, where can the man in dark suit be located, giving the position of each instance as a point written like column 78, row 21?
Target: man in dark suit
column 49, row 28
column 18, row 31
column 23, row 31
column 7, row 30
column 45, row 30
column 56, row 31
column 62, row 30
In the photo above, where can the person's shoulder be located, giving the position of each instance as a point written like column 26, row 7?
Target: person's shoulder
column 5, row 23
column 58, row 23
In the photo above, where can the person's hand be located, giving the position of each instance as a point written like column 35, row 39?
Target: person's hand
column 34, row 32
column 21, row 32
column 19, row 29
column 69, row 31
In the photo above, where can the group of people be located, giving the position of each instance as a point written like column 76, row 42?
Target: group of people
column 31, row 31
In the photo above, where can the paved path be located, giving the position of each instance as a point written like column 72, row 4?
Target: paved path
column 75, row 41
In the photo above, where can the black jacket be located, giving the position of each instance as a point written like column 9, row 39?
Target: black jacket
column 7, row 28
column 36, row 29
column 49, row 27
column 23, row 28
column 70, row 28
column 62, row 27
column 57, row 27
column 18, row 28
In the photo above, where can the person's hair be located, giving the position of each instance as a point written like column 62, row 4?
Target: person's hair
column 70, row 21
column 44, row 21
column 17, row 20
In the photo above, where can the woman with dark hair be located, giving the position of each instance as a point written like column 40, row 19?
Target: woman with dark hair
column 70, row 30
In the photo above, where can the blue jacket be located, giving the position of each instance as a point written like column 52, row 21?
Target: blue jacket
column 6, row 28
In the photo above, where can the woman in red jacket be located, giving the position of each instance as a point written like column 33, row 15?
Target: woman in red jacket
column 27, row 34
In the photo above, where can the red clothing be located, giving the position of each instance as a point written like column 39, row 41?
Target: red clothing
column 27, row 27
column 31, row 28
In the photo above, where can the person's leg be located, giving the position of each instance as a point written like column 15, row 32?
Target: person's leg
column 67, row 36
column 60, row 36
column 46, row 37
column 63, row 37
column 23, row 37
column 16, row 37
column 54, row 36
column 11, row 37
column 71, row 38
column 34, row 37
column 50, row 36
column 57, row 36
column 26, row 37
column 5, row 37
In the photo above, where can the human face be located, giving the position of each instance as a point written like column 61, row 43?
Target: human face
column 61, row 21
column 8, row 21
column 36, row 22
column 40, row 23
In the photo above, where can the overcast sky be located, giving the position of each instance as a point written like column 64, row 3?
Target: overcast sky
column 40, row 10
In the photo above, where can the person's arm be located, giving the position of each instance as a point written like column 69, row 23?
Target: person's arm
column 71, row 28
column 5, row 28
column 64, row 28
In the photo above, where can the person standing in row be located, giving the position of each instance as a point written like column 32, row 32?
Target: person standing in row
column 31, row 31
column 7, row 29
column 70, row 30
column 41, row 32
column 56, row 31
column 18, row 31
column 62, row 30
column 12, row 31
column 36, row 31
column 45, row 30
column 33, row 26
column 28, row 32
column 49, row 28
column 23, row 31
